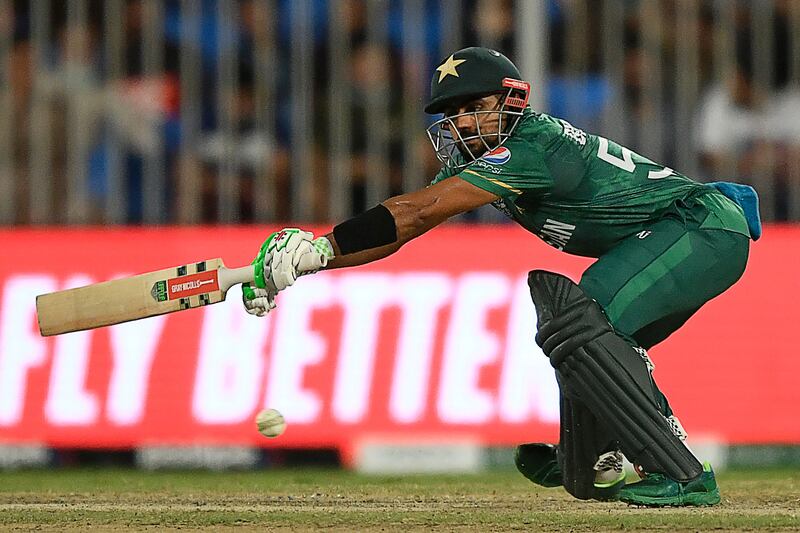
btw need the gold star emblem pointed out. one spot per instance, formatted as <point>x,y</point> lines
<point>449,68</point>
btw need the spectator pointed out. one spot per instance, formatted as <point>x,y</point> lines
<point>751,128</point>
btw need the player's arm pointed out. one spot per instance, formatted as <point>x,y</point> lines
<point>370,236</point>
<point>411,215</point>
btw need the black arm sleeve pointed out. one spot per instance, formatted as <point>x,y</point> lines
<point>371,229</point>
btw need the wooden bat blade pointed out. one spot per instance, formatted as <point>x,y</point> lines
<point>145,295</point>
<point>141,296</point>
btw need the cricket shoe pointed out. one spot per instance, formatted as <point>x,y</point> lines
<point>657,490</point>
<point>609,477</point>
<point>539,463</point>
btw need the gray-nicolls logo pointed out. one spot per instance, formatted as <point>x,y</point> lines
<point>644,234</point>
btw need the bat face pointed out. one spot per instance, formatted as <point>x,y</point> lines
<point>122,300</point>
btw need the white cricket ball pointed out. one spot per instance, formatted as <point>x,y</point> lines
<point>270,423</point>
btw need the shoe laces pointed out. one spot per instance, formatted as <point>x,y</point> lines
<point>609,461</point>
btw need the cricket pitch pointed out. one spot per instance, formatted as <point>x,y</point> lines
<point>337,500</point>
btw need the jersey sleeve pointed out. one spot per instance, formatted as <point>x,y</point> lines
<point>513,169</point>
<point>443,174</point>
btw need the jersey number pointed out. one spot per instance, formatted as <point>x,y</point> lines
<point>626,161</point>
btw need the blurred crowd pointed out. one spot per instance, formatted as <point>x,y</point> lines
<point>740,93</point>
<point>217,107</point>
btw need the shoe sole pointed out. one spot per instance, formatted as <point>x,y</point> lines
<point>608,492</point>
<point>698,499</point>
<point>620,479</point>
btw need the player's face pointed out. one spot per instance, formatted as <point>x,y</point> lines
<point>476,123</point>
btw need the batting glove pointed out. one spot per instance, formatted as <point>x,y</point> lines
<point>288,254</point>
<point>257,302</point>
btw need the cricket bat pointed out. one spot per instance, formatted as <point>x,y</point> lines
<point>145,295</point>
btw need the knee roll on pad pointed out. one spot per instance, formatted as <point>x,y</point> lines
<point>609,377</point>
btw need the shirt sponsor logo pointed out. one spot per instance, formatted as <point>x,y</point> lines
<point>489,168</point>
<point>498,156</point>
<point>556,234</point>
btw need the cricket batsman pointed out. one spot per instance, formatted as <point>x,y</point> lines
<point>665,245</point>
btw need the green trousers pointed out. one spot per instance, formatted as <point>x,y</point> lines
<point>652,282</point>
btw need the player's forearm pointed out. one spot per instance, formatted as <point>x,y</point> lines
<point>409,220</point>
<point>413,218</point>
<point>359,258</point>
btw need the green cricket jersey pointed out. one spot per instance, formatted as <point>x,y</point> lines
<point>582,193</point>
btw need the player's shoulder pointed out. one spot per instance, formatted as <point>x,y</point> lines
<point>444,173</point>
<point>541,132</point>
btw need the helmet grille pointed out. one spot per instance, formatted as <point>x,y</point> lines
<point>452,147</point>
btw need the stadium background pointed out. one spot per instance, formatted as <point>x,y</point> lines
<point>135,135</point>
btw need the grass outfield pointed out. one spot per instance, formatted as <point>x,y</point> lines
<point>336,500</point>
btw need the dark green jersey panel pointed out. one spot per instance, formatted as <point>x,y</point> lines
<point>579,192</point>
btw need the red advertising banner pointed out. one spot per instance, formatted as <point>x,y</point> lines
<point>433,342</point>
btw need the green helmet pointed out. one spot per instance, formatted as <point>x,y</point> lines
<point>473,71</point>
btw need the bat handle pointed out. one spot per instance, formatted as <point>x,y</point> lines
<point>233,276</point>
<point>245,274</point>
<point>311,263</point>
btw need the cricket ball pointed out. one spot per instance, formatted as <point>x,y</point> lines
<point>270,423</point>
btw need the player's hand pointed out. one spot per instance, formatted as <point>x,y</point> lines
<point>258,302</point>
<point>287,254</point>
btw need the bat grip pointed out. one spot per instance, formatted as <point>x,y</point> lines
<point>308,263</point>
<point>311,263</point>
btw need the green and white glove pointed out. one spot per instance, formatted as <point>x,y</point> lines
<point>257,302</point>
<point>284,256</point>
